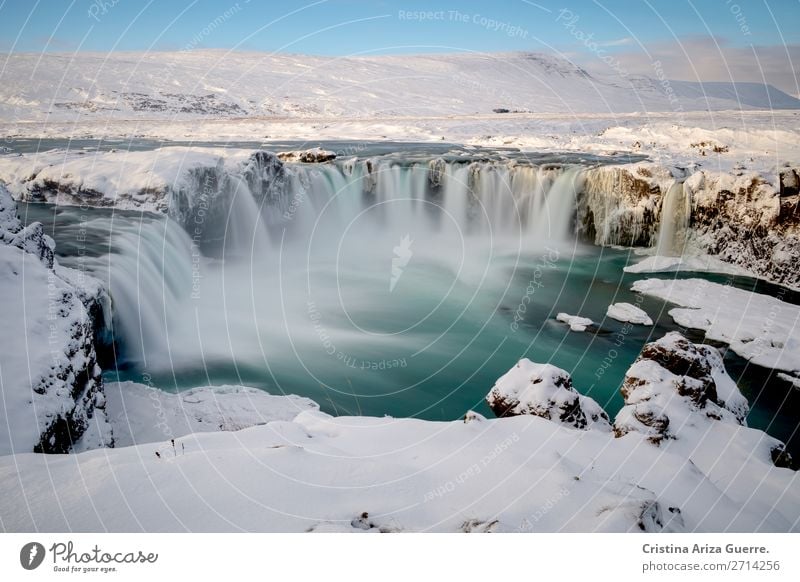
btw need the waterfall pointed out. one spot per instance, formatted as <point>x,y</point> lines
<point>149,274</point>
<point>203,284</point>
<point>478,199</point>
<point>675,214</point>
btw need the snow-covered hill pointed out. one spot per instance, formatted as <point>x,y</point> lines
<point>218,83</point>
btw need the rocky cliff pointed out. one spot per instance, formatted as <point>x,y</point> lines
<point>51,383</point>
<point>742,217</point>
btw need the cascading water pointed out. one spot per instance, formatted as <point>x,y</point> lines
<point>149,275</point>
<point>327,273</point>
<point>395,285</point>
<point>675,213</point>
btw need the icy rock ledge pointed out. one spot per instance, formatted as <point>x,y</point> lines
<point>547,391</point>
<point>51,384</point>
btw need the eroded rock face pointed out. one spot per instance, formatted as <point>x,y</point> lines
<point>740,217</point>
<point>747,221</point>
<point>620,206</point>
<point>547,391</point>
<point>675,384</point>
<point>53,390</point>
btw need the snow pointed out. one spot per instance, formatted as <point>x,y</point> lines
<point>676,387</point>
<point>293,468</point>
<point>47,360</point>
<point>793,380</point>
<point>628,312</point>
<point>125,179</point>
<point>760,328</point>
<point>694,263</point>
<point>320,473</point>
<point>575,322</point>
<point>143,414</point>
<point>217,83</point>
<point>555,106</point>
<point>544,390</point>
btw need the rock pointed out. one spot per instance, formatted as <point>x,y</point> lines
<point>546,391</point>
<point>436,172</point>
<point>310,156</point>
<point>674,385</point>
<point>628,312</point>
<point>53,390</point>
<point>619,205</point>
<point>790,183</point>
<point>739,217</point>
<point>575,322</point>
<point>472,416</point>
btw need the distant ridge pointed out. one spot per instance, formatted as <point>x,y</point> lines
<point>218,83</point>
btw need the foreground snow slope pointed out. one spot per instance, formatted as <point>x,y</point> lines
<point>523,473</point>
<point>679,459</point>
<point>217,83</point>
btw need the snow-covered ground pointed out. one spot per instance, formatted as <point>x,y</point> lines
<point>552,104</point>
<point>50,386</point>
<point>760,328</point>
<point>230,83</point>
<point>524,473</point>
<point>145,414</point>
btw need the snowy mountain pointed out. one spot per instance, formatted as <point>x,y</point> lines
<point>232,84</point>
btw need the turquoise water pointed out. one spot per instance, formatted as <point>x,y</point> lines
<point>334,330</point>
<point>432,347</point>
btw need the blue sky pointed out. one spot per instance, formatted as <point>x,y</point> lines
<point>709,40</point>
<point>339,27</point>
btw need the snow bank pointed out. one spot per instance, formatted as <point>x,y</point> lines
<point>693,263</point>
<point>356,474</point>
<point>575,322</point>
<point>628,312</point>
<point>143,414</point>
<point>120,178</point>
<point>760,328</point>
<point>544,390</point>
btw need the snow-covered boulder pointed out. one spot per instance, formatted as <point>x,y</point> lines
<point>51,384</point>
<point>675,383</point>
<point>629,313</point>
<point>547,391</point>
<point>575,322</point>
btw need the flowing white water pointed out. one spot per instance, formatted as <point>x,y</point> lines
<point>675,213</point>
<point>376,258</point>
